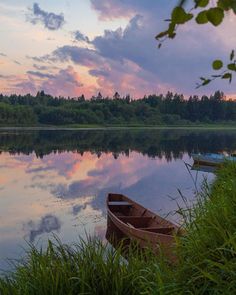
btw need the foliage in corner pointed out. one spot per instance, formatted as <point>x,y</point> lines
<point>203,14</point>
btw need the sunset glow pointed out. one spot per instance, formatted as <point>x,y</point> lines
<point>83,47</point>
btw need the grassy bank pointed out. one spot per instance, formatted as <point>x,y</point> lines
<point>208,253</point>
<point>206,257</point>
<point>215,126</point>
<point>86,268</point>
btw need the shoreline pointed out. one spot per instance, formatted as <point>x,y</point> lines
<point>87,127</point>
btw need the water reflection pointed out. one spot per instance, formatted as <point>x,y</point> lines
<point>57,181</point>
<point>47,224</point>
<point>171,144</point>
<point>77,208</point>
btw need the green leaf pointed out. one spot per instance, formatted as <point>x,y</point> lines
<point>232,67</point>
<point>179,15</point>
<point>201,3</point>
<point>172,35</point>
<point>217,64</point>
<point>161,35</point>
<point>225,4</point>
<point>207,81</point>
<point>227,76</point>
<point>202,18</point>
<point>233,6</point>
<point>171,30</point>
<point>215,15</point>
<point>232,55</point>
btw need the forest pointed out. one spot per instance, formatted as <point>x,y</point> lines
<point>169,109</point>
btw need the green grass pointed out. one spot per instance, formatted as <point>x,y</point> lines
<point>206,257</point>
<point>86,268</point>
<point>208,252</point>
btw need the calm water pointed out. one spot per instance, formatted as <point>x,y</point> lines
<point>57,181</point>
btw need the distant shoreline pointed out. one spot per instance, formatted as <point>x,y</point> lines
<point>124,127</point>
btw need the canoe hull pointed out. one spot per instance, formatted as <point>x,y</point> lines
<point>143,237</point>
<point>159,237</point>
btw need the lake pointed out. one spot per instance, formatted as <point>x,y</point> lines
<point>56,181</point>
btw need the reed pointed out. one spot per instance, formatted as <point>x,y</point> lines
<point>89,267</point>
<point>206,257</point>
<point>207,254</point>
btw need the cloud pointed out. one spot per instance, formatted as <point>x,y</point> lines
<point>5,76</point>
<point>79,55</point>
<point>98,73</point>
<point>3,54</point>
<point>47,224</point>
<point>180,62</point>
<point>76,209</point>
<point>127,59</point>
<point>40,169</point>
<point>45,68</point>
<point>41,75</point>
<point>136,46</point>
<point>114,71</point>
<point>77,189</point>
<point>80,37</point>
<point>109,9</point>
<point>25,86</point>
<point>66,82</point>
<point>41,59</point>
<point>50,20</point>
<point>119,44</point>
<point>17,62</point>
<point>41,68</point>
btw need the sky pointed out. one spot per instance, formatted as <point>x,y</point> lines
<point>75,47</point>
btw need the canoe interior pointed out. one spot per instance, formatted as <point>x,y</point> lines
<point>136,216</point>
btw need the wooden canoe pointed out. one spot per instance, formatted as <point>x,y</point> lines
<point>140,224</point>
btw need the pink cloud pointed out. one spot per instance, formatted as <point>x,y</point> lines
<point>129,78</point>
<point>127,60</point>
<point>65,82</point>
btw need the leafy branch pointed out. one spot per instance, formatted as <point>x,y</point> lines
<point>226,72</point>
<point>213,15</point>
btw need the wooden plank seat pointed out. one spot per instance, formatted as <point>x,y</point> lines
<point>119,203</point>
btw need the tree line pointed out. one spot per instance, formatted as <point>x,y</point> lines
<point>169,109</point>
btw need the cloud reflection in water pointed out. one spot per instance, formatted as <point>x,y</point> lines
<point>47,224</point>
<point>64,190</point>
